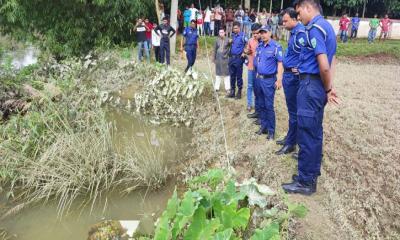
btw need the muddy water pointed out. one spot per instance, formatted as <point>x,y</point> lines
<point>43,223</point>
<point>21,58</point>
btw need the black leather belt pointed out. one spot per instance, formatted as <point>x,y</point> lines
<point>305,76</point>
<point>291,70</point>
<point>267,76</point>
<point>235,55</point>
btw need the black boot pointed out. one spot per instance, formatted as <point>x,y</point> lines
<point>252,115</point>
<point>286,149</point>
<point>271,136</point>
<point>295,156</point>
<point>239,94</point>
<point>257,122</point>
<point>261,131</point>
<point>295,178</point>
<point>301,188</point>
<point>231,94</point>
<point>281,142</point>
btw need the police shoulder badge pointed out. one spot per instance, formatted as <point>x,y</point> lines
<point>314,42</point>
<point>301,41</point>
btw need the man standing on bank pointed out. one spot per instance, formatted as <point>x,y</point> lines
<point>191,43</point>
<point>165,31</point>
<point>316,89</point>
<point>236,60</point>
<point>268,63</point>
<point>291,63</point>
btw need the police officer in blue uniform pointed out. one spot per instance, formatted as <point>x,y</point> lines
<point>236,60</point>
<point>190,42</point>
<point>269,67</point>
<point>316,69</point>
<point>291,63</point>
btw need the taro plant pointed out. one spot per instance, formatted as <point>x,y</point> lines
<point>216,207</point>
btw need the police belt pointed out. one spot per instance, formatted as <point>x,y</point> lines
<point>235,55</point>
<point>265,76</point>
<point>304,76</point>
<point>291,70</point>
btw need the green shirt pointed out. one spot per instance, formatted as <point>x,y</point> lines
<point>374,23</point>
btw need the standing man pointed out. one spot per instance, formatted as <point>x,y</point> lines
<point>140,29</point>
<point>190,42</point>
<point>149,29</point>
<point>186,17</point>
<point>274,25</point>
<point>250,51</point>
<point>219,12</point>
<point>385,26</point>
<point>155,42</point>
<point>236,60</point>
<point>373,24</point>
<point>291,63</point>
<point>355,23</point>
<point>164,30</point>
<point>268,63</point>
<point>221,60</point>
<point>229,21</point>
<point>207,21</point>
<point>316,89</point>
<point>193,12</point>
<point>344,23</point>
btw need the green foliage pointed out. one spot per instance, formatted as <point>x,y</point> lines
<point>214,207</point>
<point>73,27</point>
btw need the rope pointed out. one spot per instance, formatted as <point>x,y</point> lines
<point>228,163</point>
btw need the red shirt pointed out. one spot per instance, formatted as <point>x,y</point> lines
<point>148,32</point>
<point>252,45</point>
<point>385,22</point>
<point>344,23</point>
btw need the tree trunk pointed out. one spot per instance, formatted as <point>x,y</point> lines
<point>158,10</point>
<point>364,8</point>
<point>281,4</point>
<point>174,23</point>
<point>270,7</point>
<point>258,6</point>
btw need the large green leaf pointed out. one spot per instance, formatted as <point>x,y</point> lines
<point>162,231</point>
<point>172,205</point>
<point>231,218</point>
<point>297,210</point>
<point>197,226</point>
<point>224,235</point>
<point>213,177</point>
<point>270,232</point>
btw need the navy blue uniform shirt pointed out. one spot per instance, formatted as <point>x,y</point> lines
<point>267,57</point>
<point>296,41</point>
<point>321,39</point>
<point>191,36</point>
<point>238,43</point>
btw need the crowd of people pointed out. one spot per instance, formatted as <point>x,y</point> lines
<point>305,69</point>
<point>345,22</point>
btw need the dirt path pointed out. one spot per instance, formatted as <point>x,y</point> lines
<point>359,195</point>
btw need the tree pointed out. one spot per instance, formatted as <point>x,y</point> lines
<point>173,22</point>
<point>73,27</point>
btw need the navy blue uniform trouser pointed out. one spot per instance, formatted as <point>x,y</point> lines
<point>164,52</point>
<point>257,94</point>
<point>191,52</point>
<point>311,101</point>
<point>236,72</point>
<point>267,96</point>
<point>291,87</point>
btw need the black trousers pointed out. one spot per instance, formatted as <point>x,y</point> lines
<point>217,26</point>
<point>157,53</point>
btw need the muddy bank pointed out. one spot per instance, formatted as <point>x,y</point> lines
<point>358,196</point>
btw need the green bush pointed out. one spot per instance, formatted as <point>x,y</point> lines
<point>215,207</point>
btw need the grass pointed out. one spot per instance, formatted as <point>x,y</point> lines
<point>63,149</point>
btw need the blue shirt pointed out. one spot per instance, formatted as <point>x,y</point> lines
<point>186,15</point>
<point>191,37</point>
<point>267,57</point>
<point>355,22</point>
<point>296,41</point>
<point>238,43</point>
<point>321,39</point>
